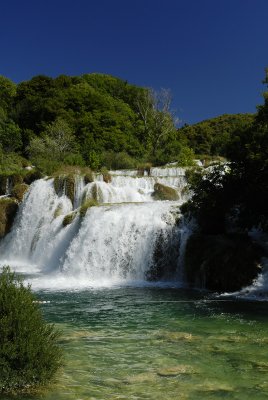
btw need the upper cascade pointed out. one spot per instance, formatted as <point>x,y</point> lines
<point>100,231</point>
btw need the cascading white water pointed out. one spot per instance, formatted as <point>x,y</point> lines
<point>128,237</point>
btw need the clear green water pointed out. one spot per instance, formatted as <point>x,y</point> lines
<point>151,343</point>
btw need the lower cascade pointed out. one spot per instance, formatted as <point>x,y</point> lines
<point>108,233</point>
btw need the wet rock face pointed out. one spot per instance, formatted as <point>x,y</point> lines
<point>223,263</point>
<point>8,209</point>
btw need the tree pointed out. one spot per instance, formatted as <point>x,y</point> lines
<point>56,143</point>
<point>7,93</point>
<point>154,108</point>
<point>10,136</point>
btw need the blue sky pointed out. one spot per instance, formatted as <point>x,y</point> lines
<point>211,54</point>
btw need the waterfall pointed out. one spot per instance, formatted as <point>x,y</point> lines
<point>127,238</point>
<point>8,186</point>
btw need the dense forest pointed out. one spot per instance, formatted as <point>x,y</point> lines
<point>91,120</point>
<point>97,120</point>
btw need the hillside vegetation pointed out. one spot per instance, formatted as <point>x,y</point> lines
<point>94,120</point>
<point>97,120</point>
<point>212,136</point>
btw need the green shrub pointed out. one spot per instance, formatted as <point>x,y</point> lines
<point>121,160</point>
<point>29,353</point>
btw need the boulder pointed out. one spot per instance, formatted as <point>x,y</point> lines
<point>163,192</point>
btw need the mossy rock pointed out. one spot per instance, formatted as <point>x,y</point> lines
<point>142,168</point>
<point>58,211</point>
<point>163,192</point>
<point>86,205</point>
<point>65,185</point>
<point>89,177</point>
<point>8,209</point>
<point>107,178</point>
<point>68,219</point>
<point>19,191</point>
<point>16,179</point>
<point>223,263</point>
<point>95,193</point>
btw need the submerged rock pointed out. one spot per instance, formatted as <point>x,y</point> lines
<point>223,263</point>
<point>217,388</point>
<point>178,336</point>
<point>141,378</point>
<point>181,369</point>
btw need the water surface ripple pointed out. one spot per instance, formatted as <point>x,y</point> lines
<point>153,343</point>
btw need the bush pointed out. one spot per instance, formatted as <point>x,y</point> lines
<point>121,160</point>
<point>29,353</point>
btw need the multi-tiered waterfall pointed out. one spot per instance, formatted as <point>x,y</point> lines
<point>129,236</point>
